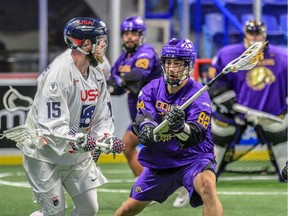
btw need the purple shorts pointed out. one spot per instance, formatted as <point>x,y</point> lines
<point>159,184</point>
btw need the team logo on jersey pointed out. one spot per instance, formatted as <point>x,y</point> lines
<point>142,63</point>
<point>259,77</point>
<point>211,72</point>
<point>86,115</point>
<point>53,86</point>
<point>124,68</point>
<point>55,200</point>
<point>138,189</point>
<point>89,95</point>
<point>76,81</point>
<point>140,105</point>
<point>205,104</point>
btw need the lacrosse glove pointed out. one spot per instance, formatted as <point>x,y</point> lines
<point>176,119</point>
<point>87,143</point>
<point>146,136</point>
<point>115,85</point>
<point>84,143</point>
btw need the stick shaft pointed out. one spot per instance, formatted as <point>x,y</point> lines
<point>249,111</point>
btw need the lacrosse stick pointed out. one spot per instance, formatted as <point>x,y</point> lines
<point>256,113</point>
<point>245,61</point>
<point>21,134</point>
<point>10,98</point>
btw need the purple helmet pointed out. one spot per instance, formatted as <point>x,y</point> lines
<point>134,23</point>
<point>80,28</point>
<point>181,50</point>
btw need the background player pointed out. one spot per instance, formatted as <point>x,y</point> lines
<point>72,99</point>
<point>182,153</point>
<point>263,88</point>
<point>136,66</point>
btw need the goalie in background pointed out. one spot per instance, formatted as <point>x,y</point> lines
<point>136,66</point>
<point>262,88</point>
<point>181,154</point>
<point>71,99</point>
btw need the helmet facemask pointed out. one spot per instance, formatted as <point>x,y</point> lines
<point>175,70</point>
<point>255,31</point>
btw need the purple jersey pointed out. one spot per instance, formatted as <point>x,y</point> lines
<point>154,102</point>
<point>264,87</point>
<point>145,61</point>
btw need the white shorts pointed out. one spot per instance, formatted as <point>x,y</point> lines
<point>48,181</point>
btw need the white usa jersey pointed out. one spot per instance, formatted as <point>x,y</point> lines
<point>64,99</point>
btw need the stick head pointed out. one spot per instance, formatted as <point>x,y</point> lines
<point>248,59</point>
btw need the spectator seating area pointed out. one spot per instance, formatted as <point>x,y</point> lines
<point>215,25</point>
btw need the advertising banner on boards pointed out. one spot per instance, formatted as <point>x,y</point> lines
<point>26,85</point>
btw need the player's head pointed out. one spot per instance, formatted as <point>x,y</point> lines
<point>133,30</point>
<point>255,31</point>
<point>177,60</point>
<point>88,35</point>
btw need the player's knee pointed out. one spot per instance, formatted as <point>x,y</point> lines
<point>223,133</point>
<point>207,187</point>
<point>276,133</point>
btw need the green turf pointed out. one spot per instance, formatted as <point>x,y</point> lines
<point>18,200</point>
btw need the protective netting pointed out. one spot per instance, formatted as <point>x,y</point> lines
<point>250,155</point>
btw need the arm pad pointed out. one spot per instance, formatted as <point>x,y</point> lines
<point>190,135</point>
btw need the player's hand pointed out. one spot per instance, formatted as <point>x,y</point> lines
<point>114,144</point>
<point>176,118</point>
<point>114,84</point>
<point>87,143</point>
<point>84,143</point>
<point>146,136</point>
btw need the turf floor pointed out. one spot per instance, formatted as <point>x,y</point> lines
<point>241,195</point>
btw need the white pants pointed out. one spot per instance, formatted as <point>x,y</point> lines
<point>48,182</point>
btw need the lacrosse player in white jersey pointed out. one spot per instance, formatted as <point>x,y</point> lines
<point>71,100</point>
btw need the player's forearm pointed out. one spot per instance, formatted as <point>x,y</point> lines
<point>190,135</point>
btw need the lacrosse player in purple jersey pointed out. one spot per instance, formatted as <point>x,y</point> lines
<point>262,88</point>
<point>71,100</point>
<point>136,66</point>
<point>181,153</point>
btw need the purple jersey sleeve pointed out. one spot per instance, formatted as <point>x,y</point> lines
<point>154,102</point>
